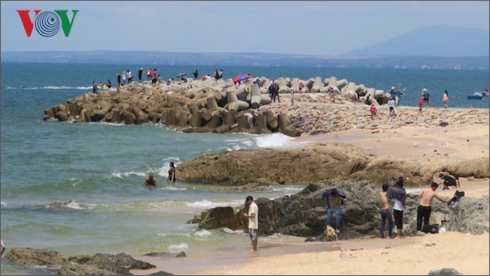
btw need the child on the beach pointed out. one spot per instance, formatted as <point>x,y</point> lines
<point>292,97</point>
<point>373,111</point>
<point>421,102</point>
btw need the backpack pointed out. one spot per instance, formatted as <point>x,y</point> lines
<point>433,229</point>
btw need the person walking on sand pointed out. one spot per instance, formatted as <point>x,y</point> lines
<point>397,193</point>
<point>335,199</point>
<point>171,173</point>
<point>385,213</point>
<point>373,111</point>
<point>424,209</point>
<point>253,221</point>
<point>151,181</point>
<point>426,95</point>
<point>445,98</point>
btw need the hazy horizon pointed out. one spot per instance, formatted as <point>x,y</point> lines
<point>301,28</point>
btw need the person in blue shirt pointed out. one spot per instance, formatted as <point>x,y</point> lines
<point>335,199</point>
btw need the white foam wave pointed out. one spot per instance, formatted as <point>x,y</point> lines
<point>203,233</point>
<point>4,203</point>
<point>52,87</point>
<point>229,231</point>
<point>171,188</point>
<point>178,246</point>
<point>126,174</point>
<point>275,140</point>
<point>286,189</point>
<point>173,234</point>
<point>209,204</point>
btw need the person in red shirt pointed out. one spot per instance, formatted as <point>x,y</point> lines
<point>373,111</point>
<point>154,77</point>
<point>148,74</point>
<point>421,102</point>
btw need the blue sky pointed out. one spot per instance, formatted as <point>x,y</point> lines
<point>314,28</point>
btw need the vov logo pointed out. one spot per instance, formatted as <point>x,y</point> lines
<point>47,23</point>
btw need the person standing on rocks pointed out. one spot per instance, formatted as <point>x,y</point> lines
<point>171,173</point>
<point>220,74</point>
<point>445,98</point>
<point>335,199</point>
<point>148,74</point>
<point>424,209</point>
<point>94,87</point>
<point>397,193</point>
<point>421,102</point>
<point>292,97</point>
<point>276,91</point>
<point>118,76</point>
<point>385,213</point>
<point>109,84</point>
<point>391,105</point>
<point>216,74</point>
<point>195,74</point>
<point>140,74</point>
<point>300,88</point>
<point>130,76</point>
<point>426,95</point>
<point>253,221</point>
<point>331,93</point>
<point>154,77</point>
<point>123,78</point>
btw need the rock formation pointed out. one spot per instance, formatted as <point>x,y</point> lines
<point>303,214</point>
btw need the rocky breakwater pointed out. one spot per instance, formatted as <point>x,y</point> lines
<point>315,163</point>
<point>98,264</point>
<point>313,114</point>
<point>303,214</point>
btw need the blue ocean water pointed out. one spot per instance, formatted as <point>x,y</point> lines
<point>102,166</point>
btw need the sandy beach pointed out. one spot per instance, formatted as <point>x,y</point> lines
<point>468,254</point>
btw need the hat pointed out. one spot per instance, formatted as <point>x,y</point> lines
<point>392,87</point>
<point>424,90</point>
<point>141,68</point>
<point>248,198</point>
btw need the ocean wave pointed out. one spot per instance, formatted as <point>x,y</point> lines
<point>171,188</point>
<point>178,246</point>
<point>275,140</point>
<point>4,203</point>
<point>203,233</point>
<point>174,234</point>
<point>229,231</point>
<point>117,174</point>
<point>209,204</point>
<point>286,189</point>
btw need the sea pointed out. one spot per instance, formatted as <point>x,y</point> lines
<point>101,168</point>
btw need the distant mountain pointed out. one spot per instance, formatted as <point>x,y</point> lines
<point>434,41</point>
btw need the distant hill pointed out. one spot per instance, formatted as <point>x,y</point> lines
<point>434,41</point>
<point>244,59</point>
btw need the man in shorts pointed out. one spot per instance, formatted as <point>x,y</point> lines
<point>154,76</point>
<point>253,221</point>
<point>426,95</point>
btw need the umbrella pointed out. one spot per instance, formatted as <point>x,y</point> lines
<point>241,77</point>
<point>181,74</point>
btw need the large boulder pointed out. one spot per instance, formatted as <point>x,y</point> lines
<point>299,166</point>
<point>32,257</point>
<point>70,268</point>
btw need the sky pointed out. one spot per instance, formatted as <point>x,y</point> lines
<point>327,28</point>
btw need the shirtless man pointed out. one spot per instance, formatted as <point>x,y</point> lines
<point>385,213</point>
<point>150,181</point>
<point>424,209</point>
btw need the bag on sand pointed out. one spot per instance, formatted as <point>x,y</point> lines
<point>433,229</point>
